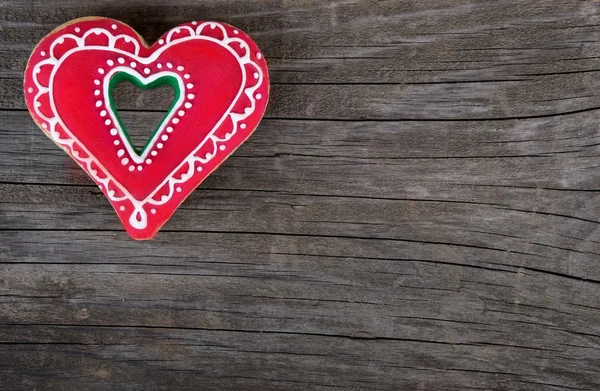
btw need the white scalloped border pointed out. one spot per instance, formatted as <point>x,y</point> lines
<point>139,218</point>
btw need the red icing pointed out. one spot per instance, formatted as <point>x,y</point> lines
<point>215,85</point>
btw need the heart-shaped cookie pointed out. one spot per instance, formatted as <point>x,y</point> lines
<point>221,88</point>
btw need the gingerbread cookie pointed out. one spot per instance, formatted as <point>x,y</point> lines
<point>221,88</point>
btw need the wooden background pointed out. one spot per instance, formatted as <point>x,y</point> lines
<point>419,210</point>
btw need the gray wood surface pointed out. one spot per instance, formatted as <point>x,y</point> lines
<point>420,210</point>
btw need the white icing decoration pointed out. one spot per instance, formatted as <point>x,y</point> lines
<point>138,218</point>
<point>145,80</point>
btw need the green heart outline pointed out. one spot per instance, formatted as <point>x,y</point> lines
<point>161,81</point>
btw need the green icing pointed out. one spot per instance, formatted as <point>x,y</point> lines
<point>161,81</point>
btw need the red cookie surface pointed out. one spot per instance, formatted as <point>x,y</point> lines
<point>221,88</point>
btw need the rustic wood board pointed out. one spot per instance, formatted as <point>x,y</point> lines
<point>420,210</point>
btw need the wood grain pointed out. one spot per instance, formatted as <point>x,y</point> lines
<point>419,210</point>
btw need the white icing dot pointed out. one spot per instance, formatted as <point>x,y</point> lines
<point>190,85</point>
<point>97,92</point>
<point>236,32</point>
<point>140,168</point>
<point>148,161</point>
<point>114,26</point>
<point>258,96</point>
<point>161,41</point>
<point>97,32</point>
<point>131,168</point>
<point>45,125</point>
<point>133,64</point>
<point>38,104</point>
<point>188,105</point>
<point>180,68</point>
<point>178,189</point>
<point>124,161</point>
<point>97,82</point>
<point>159,145</point>
<point>194,23</point>
<point>256,75</point>
<point>147,71</point>
<point>101,71</point>
<point>184,177</point>
<point>164,137</point>
<point>43,53</point>
<point>110,62</point>
<point>120,153</point>
<point>107,122</point>
<point>169,65</point>
<point>113,132</point>
<point>159,66</point>
<point>208,156</point>
<point>153,211</point>
<point>259,55</point>
<point>191,96</point>
<point>77,29</point>
<point>121,60</point>
<point>181,113</point>
<point>186,76</point>
<point>243,126</point>
<point>122,208</point>
<point>103,113</point>
<point>30,90</point>
<point>116,142</point>
<point>199,169</point>
<point>247,110</point>
<point>175,120</point>
<point>222,147</point>
<point>170,129</point>
<point>153,153</point>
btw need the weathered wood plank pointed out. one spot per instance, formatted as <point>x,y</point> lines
<point>418,211</point>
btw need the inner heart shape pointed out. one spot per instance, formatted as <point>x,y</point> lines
<point>221,88</point>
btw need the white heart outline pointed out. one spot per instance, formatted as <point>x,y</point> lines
<point>139,159</point>
<point>139,218</point>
